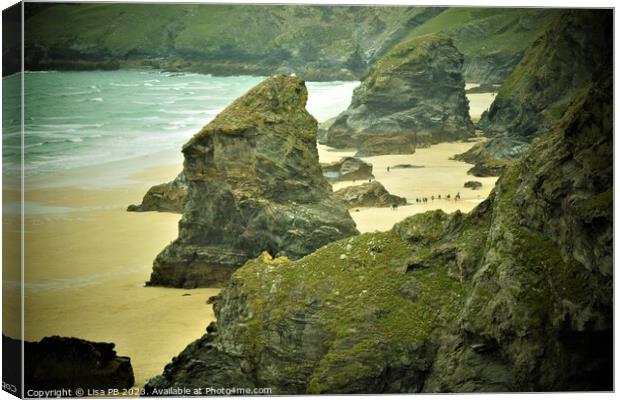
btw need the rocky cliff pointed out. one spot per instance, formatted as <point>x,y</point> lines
<point>413,96</point>
<point>515,296</point>
<point>169,197</point>
<point>316,42</point>
<point>575,49</point>
<point>254,184</point>
<point>56,363</point>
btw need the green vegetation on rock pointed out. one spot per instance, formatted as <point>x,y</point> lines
<point>517,295</point>
<point>316,42</point>
<point>574,49</point>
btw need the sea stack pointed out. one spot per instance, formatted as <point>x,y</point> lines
<point>254,185</point>
<point>412,97</point>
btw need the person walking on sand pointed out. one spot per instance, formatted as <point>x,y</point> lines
<point>388,169</point>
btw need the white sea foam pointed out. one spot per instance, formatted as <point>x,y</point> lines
<point>123,84</point>
<point>129,114</point>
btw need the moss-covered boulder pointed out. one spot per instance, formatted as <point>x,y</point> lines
<point>370,194</point>
<point>348,318</point>
<point>517,295</point>
<point>254,184</point>
<point>575,48</point>
<point>412,96</point>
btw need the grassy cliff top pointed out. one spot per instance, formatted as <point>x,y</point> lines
<point>478,31</point>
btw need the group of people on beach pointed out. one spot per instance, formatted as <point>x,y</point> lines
<point>424,200</point>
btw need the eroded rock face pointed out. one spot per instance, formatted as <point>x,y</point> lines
<point>413,96</point>
<point>538,316</point>
<point>254,184</point>
<point>517,295</point>
<point>371,194</point>
<point>168,197</point>
<point>347,169</point>
<point>575,49</point>
<point>70,363</point>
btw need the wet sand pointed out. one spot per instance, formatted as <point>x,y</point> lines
<point>85,270</point>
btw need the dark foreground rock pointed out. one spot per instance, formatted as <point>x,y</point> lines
<point>371,194</point>
<point>575,49</point>
<point>169,197</point>
<point>347,169</point>
<point>70,363</point>
<point>254,184</point>
<point>400,105</point>
<point>515,296</point>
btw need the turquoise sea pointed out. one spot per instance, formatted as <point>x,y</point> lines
<point>75,119</point>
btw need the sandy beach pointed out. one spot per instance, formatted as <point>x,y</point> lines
<point>434,174</point>
<point>478,102</point>
<point>86,262</point>
<point>87,258</point>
